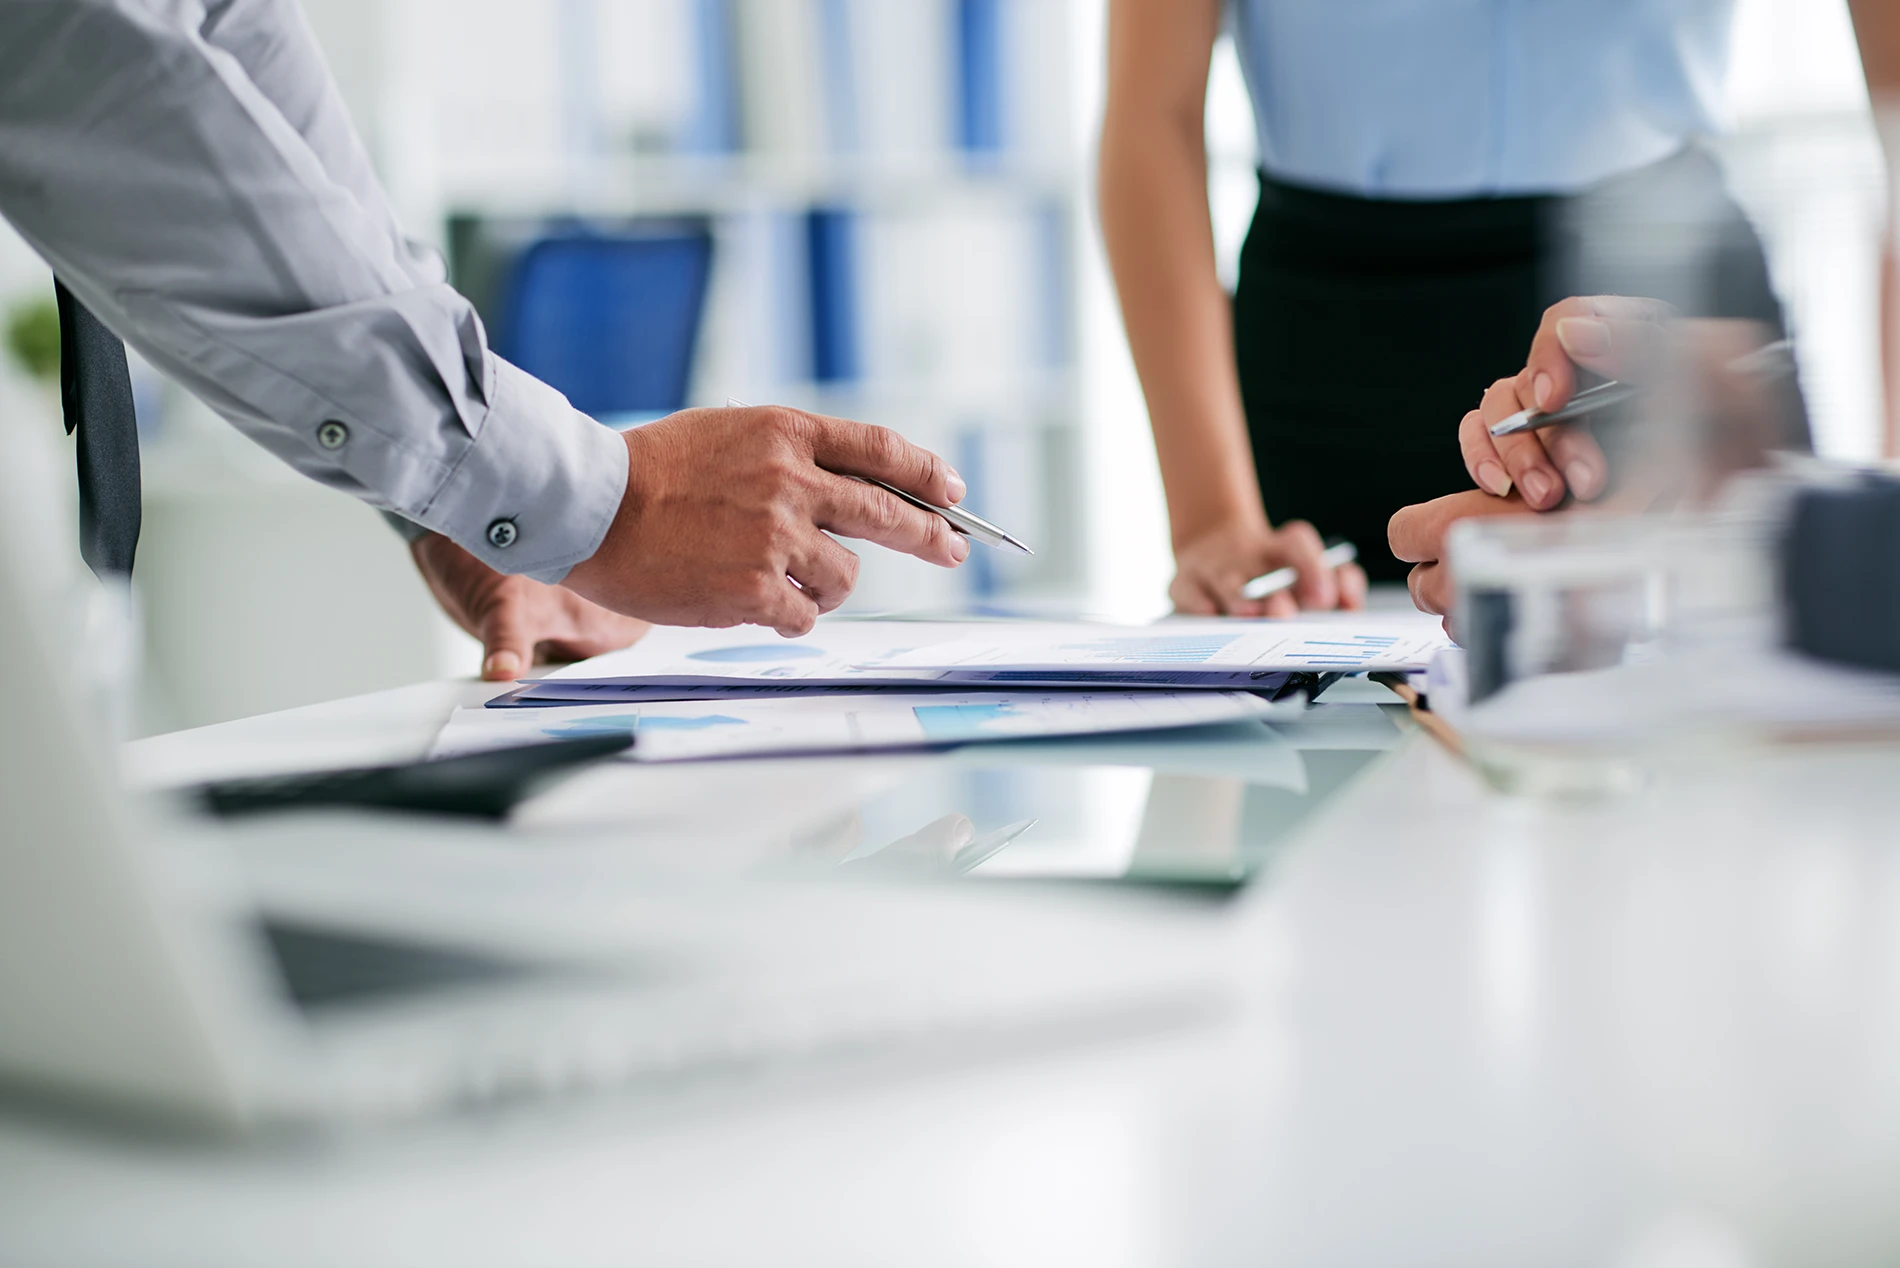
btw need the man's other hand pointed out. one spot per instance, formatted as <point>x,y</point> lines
<point>518,621</point>
<point>728,515</point>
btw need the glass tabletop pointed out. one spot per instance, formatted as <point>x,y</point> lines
<point>1208,806</point>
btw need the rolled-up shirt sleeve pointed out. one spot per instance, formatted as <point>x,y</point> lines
<point>178,203</point>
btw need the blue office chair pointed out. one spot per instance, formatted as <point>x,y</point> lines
<point>610,318</point>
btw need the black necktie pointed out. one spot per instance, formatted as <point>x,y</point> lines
<point>95,391</point>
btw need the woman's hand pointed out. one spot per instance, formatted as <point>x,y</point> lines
<point>1211,569</point>
<point>1160,244</point>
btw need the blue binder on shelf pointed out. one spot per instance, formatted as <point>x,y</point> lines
<point>831,246</point>
<point>611,318</point>
<point>979,77</point>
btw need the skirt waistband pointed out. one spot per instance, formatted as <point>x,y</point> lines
<point>1301,226</point>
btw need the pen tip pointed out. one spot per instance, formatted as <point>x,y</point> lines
<point>1505,426</point>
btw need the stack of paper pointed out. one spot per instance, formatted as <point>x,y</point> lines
<point>1258,656</point>
<point>878,685</point>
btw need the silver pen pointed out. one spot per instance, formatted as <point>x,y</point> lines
<point>969,523</point>
<point>1770,361</point>
<point>1337,554</point>
<point>1586,402</point>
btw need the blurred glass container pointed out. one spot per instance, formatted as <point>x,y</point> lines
<point>1555,594</point>
<point>1596,642</point>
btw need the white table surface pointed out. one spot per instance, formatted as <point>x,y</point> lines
<point>1657,1030</point>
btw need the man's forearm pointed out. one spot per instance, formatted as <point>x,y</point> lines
<point>273,42</point>
<point>264,286</point>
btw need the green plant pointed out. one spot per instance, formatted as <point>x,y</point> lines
<point>33,337</point>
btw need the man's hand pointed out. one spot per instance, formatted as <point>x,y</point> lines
<point>519,621</point>
<point>1417,535</point>
<point>727,512</point>
<point>1609,335</point>
<point>1712,412</point>
<point>1606,334</point>
<point>1211,569</point>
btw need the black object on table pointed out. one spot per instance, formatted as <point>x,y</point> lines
<point>1840,573</point>
<point>477,785</point>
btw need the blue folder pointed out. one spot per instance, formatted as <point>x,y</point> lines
<point>610,318</point>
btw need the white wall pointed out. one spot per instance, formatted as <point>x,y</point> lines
<point>1804,159</point>
<point>1126,513</point>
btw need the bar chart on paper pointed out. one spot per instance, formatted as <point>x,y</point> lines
<point>1352,652</point>
<point>1179,653</point>
<point>1331,649</point>
<point>1148,650</point>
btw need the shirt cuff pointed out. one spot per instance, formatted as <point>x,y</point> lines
<point>537,490</point>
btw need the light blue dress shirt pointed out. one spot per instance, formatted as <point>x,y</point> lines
<point>1466,98</point>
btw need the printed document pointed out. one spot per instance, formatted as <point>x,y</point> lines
<point>1177,654</point>
<point>830,723</point>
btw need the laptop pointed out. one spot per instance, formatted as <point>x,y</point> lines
<point>143,969</point>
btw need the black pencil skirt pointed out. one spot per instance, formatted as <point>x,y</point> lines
<point>1364,329</point>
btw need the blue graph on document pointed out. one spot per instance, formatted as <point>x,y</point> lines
<point>950,723</point>
<point>1340,653</point>
<point>1180,649</point>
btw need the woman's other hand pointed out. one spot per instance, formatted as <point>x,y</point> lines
<point>1212,567</point>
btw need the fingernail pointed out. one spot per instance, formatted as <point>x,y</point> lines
<point>1495,479</point>
<point>1540,390</point>
<point>1538,487</point>
<point>501,665</point>
<point>957,487</point>
<point>1582,478</point>
<point>1583,337</point>
<point>960,547</point>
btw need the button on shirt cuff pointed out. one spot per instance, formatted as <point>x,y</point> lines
<point>551,474</point>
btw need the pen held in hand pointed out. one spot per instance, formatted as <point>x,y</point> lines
<point>1770,361</point>
<point>1590,401</point>
<point>968,523</point>
<point>1337,555</point>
